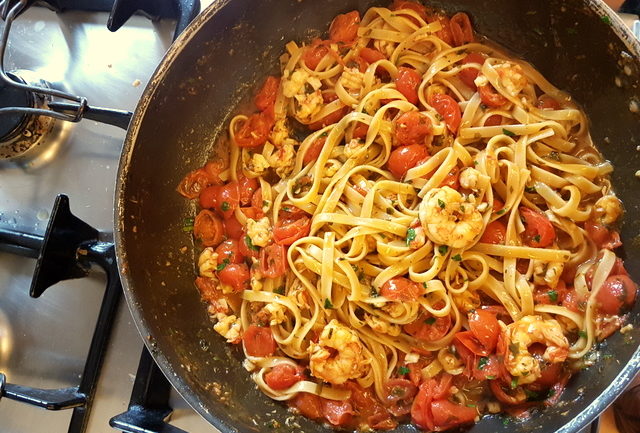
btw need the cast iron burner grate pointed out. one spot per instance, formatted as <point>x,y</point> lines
<point>68,250</point>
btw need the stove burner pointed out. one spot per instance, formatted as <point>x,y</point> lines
<point>13,97</point>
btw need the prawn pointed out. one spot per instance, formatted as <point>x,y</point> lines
<point>518,336</point>
<point>338,355</point>
<point>449,219</point>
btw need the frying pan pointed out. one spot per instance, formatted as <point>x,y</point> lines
<point>222,57</point>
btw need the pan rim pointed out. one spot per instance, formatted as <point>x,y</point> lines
<point>587,415</point>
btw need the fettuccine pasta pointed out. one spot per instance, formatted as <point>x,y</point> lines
<point>413,224</point>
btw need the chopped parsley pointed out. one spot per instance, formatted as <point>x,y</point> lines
<point>225,206</point>
<point>551,393</point>
<point>536,239</point>
<point>265,203</point>
<point>424,284</point>
<point>389,210</point>
<point>403,370</point>
<point>471,405</point>
<point>374,293</point>
<point>605,19</point>
<point>187,228</point>
<point>553,295</point>
<point>222,265</point>
<point>249,242</point>
<point>411,235</point>
<point>457,258</point>
<point>508,133</point>
<point>279,290</point>
<point>441,204</point>
<point>286,209</point>
<point>324,134</point>
<point>188,224</point>
<point>530,189</point>
<point>531,395</point>
<point>506,421</point>
<point>442,249</point>
<point>327,304</point>
<point>490,377</point>
<point>514,383</point>
<point>572,31</point>
<point>501,211</point>
<point>430,320</point>
<point>582,334</point>
<point>482,362</point>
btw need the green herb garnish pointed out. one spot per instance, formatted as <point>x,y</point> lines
<point>530,189</point>
<point>442,249</point>
<point>374,293</point>
<point>279,290</point>
<point>249,242</point>
<point>514,348</point>
<point>441,204</point>
<point>411,235</point>
<point>471,405</point>
<point>514,383</point>
<point>222,265</point>
<point>508,133</point>
<point>490,377</point>
<point>482,362</point>
<point>531,395</point>
<point>501,211</point>
<point>582,334</point>
<point>536,239</point>
<point>430,320</point>
<point>553,295</point>
<point>457,258</point>
<point>225,206</point>
<point>605,19</point>
<point>327,304</point>
<point>403,370</point>
<point>324,134</point>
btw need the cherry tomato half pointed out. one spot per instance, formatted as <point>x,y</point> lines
<point>208,228</point>
<point>448,108</point>
<point>235,275</point>
<point>412,128</point>
<point>258,341</point>
<point>287,231</point>
<point>344,27</point>
<point>283,376</point>
<point>616,295</point>
<point>407,82</point>
<point>229,250</point>
<point>539,232</point>
<point>401,289</point>
<point>254,131</point>
<point>468,75</point>
<point>428,328</point>
<point>405,157</point>
<point>266,97</point>
<point>495,233</point>
<point>273,261</point>
<point>485,328</point>
<point>490,96</point>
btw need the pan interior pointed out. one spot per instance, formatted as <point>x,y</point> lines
<point>221,58</point>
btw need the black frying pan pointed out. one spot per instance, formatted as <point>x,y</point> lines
<point>221,57</point>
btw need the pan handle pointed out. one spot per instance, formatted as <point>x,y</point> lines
<point>119,118</point>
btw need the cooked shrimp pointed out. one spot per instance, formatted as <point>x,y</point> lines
<point>449,219</point>
<point>521,334</point>
<point>608,209</point>
<point>338,356</point>
<point>512,77</point>
<point>547,273</point>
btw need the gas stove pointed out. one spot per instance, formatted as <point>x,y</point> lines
<point>76,336</point>
<point>45,342</point>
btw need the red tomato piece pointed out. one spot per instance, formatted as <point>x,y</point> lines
<point>338,413</point>
<point>484,326</point>
<point>247,186</point>
<point>428,328</point>
<point>369,408</point>
<point>287,231</point>
<point>616,294</point>
<point>488,368</point>
<point>430,390</point>
<point>468,75</point>
<point>405,157</point>
<point>494,120</point>
<point>283,376</point>
<point>371,55</point>
<point>461,29</point>
<point>548,296</point>
<point>447,415</point>
<point>208,288</point>
<point>400,393</point>
<point>258,341</point>
<point>209,197</point>
<point>412,128</point>
<point>228,199</point>
<point>247,248</point>
<point>329,119</point>
<point>232,228</point>
<point>229,250</point>
<point>498,389</point>
<point>360,130</point>
<point>401,289</point>
<point>452,179</point>
<point>469,340</point>
<point>208,228</point>
<point>495,233</point>
<point>407,82</point>
<point>490,96</point>
<point>448,108</point>
<point>273,261</point>
<point>445,32</point>
<point>235,275</point>
<point>602,236</point>
<point>406,4</point>
<point>266,97</point>
<point>344,27</point>
<point>193,183</point>
<point>539,232</point>
<point>313,152</point>
<point>254,131</point>
<point>546,102</point>
<point>314,54</point>
<point>550,372</point>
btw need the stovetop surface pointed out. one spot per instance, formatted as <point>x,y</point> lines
<point>44,342</point>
